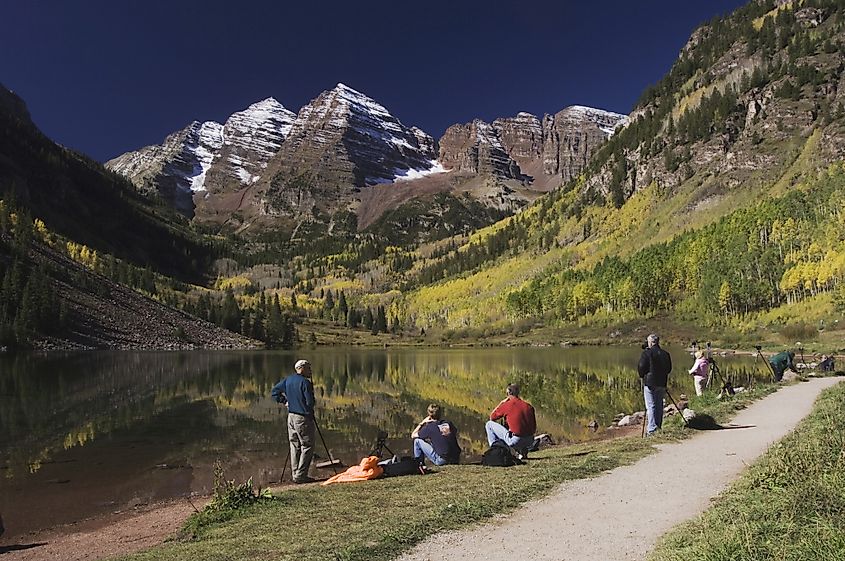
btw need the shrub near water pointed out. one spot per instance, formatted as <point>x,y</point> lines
<point>229,499</point>
<point>790,505</point>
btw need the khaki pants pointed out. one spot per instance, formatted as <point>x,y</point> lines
<point>301,430</point>
<point>700,384</point>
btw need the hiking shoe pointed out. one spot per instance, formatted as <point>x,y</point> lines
<point>305,479</point>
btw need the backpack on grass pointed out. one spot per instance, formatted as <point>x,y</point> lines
<point>499,455</point>
<point>406,465</point>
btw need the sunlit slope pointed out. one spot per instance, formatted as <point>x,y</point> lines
<point>749,112</point>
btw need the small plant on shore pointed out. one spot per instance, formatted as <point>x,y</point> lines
<point>180,333</point>
<point>228,500</point>
<point>230,495</point>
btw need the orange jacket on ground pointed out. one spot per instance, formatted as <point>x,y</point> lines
<point>367,469</point>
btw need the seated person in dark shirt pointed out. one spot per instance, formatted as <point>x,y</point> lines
<point>827,363</point>
<point>436,439</point>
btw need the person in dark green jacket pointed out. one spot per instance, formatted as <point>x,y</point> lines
<point>781,362</point>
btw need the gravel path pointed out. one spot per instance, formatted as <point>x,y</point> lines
<point>620,515</point>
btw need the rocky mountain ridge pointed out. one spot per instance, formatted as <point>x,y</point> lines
<point>209,156</point>
<point>542,152</point>
<point>316,164</point>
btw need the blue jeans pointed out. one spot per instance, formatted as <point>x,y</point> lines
<point>654,407</point>
<point>495,432</point>
<point>421,447</point>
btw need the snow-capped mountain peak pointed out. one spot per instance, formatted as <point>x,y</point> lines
<point>205,153</point>
<point>378,146</point>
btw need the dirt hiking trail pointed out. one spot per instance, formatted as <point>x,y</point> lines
<point>621,515</point>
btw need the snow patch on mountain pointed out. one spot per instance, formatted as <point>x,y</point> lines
<point>410,174</point>
<point>239,149</point>
<point>203,146</point>
<point>486,134</point>
<point>607,121</point>
<point>258,131</point>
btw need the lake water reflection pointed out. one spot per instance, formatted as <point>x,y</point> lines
<point>87,433</point>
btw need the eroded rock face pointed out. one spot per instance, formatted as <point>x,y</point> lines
<point>476,148</point>
<point>522,138</point>
<point>343,135</point>
<point>571,136</point>
<point>524,147</point>
<point>208,156</point>
<point>339,143</point>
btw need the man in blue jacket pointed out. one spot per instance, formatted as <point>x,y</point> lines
<point>654,368</point>
<point>297,392</point>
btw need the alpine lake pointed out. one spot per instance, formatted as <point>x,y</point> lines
<point>89,433</point>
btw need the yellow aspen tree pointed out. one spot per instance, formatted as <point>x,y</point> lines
<point>725,298</point>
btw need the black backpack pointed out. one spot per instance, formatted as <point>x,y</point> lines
<point>407,465</point>
<point>499,455</point>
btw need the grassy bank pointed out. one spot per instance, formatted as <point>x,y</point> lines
<point>790,505</point>
<point>771,330</point>
<point>378,519</point>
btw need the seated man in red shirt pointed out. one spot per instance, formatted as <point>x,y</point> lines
<point>519,417</point>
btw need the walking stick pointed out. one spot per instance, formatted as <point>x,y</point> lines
<point>801,348</point>
<point>316,424</point>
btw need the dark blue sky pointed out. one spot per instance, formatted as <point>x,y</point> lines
<point>106,76</point>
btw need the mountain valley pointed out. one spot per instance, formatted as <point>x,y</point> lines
<point>715,204</point>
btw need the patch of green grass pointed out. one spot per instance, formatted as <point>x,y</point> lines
<point>790,505</point>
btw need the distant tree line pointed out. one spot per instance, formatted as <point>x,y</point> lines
<point>267,321</point>
<point>337,308</point>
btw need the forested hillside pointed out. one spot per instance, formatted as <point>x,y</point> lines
<point>718,201</point>
<point>78,198</point>
<point>58,294</point>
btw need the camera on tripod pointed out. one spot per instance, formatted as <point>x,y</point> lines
<point>381,445</point>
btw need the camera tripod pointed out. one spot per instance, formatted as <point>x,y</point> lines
<point>766,362</point>
<point>381,445</point>
<point>715,372</point>
<point>678,409</point>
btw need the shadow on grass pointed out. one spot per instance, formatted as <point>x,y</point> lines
<point>706,422</point>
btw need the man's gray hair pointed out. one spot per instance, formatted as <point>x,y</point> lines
<point>653,339</point>
<point>513,389</point>
<point>300,364</point>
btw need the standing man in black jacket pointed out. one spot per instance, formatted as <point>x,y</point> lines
<point>654,368</point>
